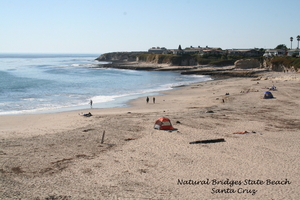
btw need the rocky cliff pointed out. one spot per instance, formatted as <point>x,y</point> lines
<point>247,64</point>
<point>173,60</point>
<point>186,64</point>
<point>123,58</point>
<point>119,56</point>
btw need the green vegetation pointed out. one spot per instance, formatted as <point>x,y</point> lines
<point>281,46</point>
<point>296,63</point>
<point>287,62</point>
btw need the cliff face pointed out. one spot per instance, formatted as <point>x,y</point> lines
<point>174,60</point>
<point>247,64</point>
<point>185,62</point>
<point>280,64</point>
<point>119,56</point>
<point>274,63</point>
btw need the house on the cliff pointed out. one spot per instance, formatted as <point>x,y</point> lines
<point>178,51</point>
<point>293,52</point>
<point>274,52</point>
<point>204,50</point>
<point>158,50</point>
<point>244,52</point>
<point>213,51</point>
<point>193,50</point>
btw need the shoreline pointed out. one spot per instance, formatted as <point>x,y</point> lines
<point>117,102</point>
<point>61,154</point>
<point>215,71</point>
<point>49,118</point>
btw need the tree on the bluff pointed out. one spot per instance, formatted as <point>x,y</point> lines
<point>179,48</point>
<point>281,46</point>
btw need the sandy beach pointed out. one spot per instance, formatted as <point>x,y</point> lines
<point>60,155</point>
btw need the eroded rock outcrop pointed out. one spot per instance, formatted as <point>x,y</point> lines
<point>119,56</point>
<point>173,60</point>
<point>247,64</point>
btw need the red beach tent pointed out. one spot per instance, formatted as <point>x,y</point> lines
<point>163,123</point>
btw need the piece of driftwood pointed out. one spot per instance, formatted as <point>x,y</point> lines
<point>128,139</point>
<point>208,141</point>
<point>103,137</point>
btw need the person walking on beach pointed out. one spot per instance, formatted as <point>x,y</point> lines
<point>91,103</point>
<point>153,99</point>
<point>147,99</point>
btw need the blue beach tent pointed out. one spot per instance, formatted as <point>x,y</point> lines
<point>268,95</point>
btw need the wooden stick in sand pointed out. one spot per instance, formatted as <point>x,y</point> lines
<point>103,137</point>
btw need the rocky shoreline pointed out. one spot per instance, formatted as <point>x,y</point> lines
<point>226,71</point>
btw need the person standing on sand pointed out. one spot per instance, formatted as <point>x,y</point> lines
<point>153,99</point>
<point>91,103</point>
<point>147,99</point>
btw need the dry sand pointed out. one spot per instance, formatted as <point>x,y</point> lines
<point>60,155</point>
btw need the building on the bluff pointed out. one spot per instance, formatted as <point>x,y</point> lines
<point>205,50</point>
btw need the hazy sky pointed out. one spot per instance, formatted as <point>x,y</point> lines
<point>100,26</point>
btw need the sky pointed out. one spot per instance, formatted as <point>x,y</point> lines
<point>101,26</point>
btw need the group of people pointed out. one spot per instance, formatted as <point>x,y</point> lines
<point>153,99</point>
<point>147,100</point>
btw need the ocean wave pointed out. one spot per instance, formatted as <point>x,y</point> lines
<point>103,99</point>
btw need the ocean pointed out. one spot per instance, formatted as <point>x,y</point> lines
<point>45,83</point>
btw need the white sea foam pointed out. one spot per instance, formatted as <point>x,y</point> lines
<point>102,99</point>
